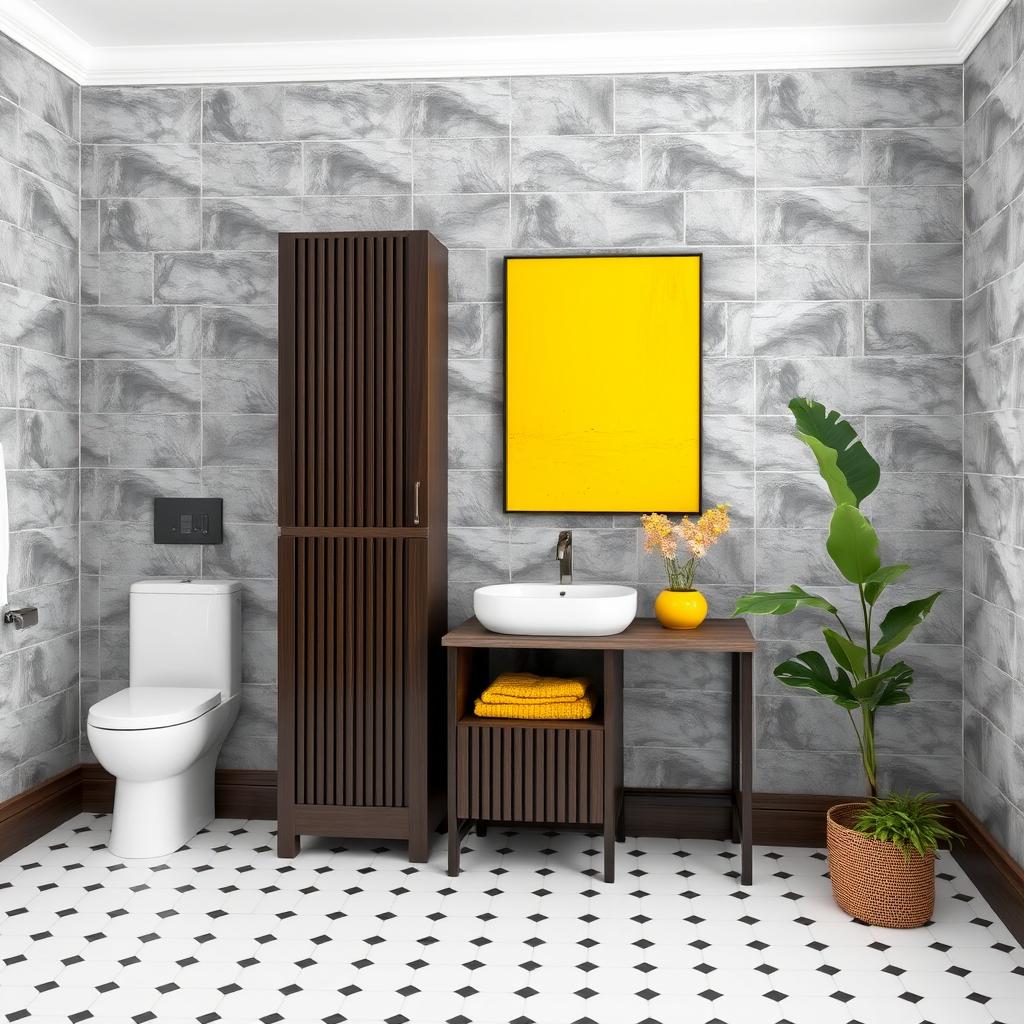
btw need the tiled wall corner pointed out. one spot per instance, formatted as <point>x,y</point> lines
<point>994,430</point>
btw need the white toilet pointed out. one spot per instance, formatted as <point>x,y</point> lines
<point>160,737</point>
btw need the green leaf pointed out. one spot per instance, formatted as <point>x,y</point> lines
<point>885,689</point>
<point>780,602</point>
<point>845,464</point>
<point>880,580</point>
<point>848,654</point>
<point>902,620</point>
<point>811,671</point>
<point>853,544</point>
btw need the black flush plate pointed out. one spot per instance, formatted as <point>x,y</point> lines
<point>188,520</point>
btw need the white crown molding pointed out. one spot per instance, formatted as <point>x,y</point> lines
<point>946,42</point>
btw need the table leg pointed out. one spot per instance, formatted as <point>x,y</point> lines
<point>735,745</point>
<point>612,758</point>
<point>458,666</point>
<point>745,697</point>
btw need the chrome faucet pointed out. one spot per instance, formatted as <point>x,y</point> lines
<point>564,555</point>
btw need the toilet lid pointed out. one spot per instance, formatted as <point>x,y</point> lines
<point>152,707</point>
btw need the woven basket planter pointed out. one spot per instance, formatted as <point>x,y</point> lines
<point>874,882</point>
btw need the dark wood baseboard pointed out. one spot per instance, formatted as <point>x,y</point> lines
<point>239,792</point>
<point>783,819</point>
<point>29,815</point>
<point>999,878</point>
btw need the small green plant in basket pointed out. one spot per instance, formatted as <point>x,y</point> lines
<point>914,823</point>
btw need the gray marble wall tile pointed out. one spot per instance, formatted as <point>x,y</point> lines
<point>252,169</point>
<point>573,163</point>
<point>40,557</point>
<point>248,439</point>
<point>596,219</point>
<point>925,214</point>
<point>562,106</point>
<point>728,386</point>
<point>140,440</point>
<point>251,224</point>
<point>860,98</point>
<point>46,440</point>
<point>812,272</point>
<point>371,168</point>
<point>796,328</point>
<point>475,387</point>
<point>334,110</point>
<point>473,221</point>
<point>720,217</point>
<point>356,213</point>
<point>917,443</point>
<point>38,87</point>
<point>684,102</point>
<point>917,271</point>
<point>468,108</point>
<point>995,120</point>
<point>250,495</point>
<point>818,215</point>
<point>124,278</point>
<point>989,61</point>
<point>146,386</point>
<point>926,156</point>
<point>243,332</point>
<point>47,382</point>
<point>146,225</point>
<point>989,379</point>
<point>154,171</point>
<point>989,506</point>
<point>478,555</point>
<point>48,210</point>
<point>999,181</point>
<point>38,322</point>
<point>217,278</point>
<point>126,495</point>
<point>677,162</point>
<point>475,442</point>
<point>248,552</point>
<point>133,332</point>
<point>809,158</point>
<point>873,386</point>
<point>461,165</point>
<point>244,113</point>
<point>134,114</point>
<point>47,152</point>
<point>476,497</point>
<point>465,330</point>
<point>240,386</point>
<point>42,497</point>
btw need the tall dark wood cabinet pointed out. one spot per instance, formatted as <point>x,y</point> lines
<point>363,536</point>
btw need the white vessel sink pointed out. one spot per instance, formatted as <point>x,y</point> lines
<point>551,609</point>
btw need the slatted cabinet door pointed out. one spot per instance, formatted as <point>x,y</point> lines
<point>352,381</point>
<point>362,551</point>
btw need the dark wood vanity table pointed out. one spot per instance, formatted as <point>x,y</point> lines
<point>569,772</point>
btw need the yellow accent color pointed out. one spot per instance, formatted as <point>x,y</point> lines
<point>580,708</point>
<point>681,609</point>
<point>527,686</point>
<point>603,384</point>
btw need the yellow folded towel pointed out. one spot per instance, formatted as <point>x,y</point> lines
<point>529,686</point>
<point>490,697</point>
<point>580,708</point>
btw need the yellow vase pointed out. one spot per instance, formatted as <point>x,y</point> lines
<point>681,609</point>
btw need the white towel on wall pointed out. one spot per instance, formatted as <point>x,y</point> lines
<point>5,531</point>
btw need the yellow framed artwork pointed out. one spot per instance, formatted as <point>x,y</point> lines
<point>603,383</point>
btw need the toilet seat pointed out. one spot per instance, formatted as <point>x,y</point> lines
<point>152,707</point>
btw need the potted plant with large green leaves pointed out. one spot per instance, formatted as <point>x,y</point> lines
<point>863,675</point>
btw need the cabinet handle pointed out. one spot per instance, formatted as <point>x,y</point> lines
<point>416,504</point>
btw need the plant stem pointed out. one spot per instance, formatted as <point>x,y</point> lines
<point>867,625</point>
<point>868,751</point>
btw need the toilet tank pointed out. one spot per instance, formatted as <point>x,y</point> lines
<point>186,633</point>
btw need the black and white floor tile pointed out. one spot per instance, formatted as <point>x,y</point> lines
<point>529,934</point>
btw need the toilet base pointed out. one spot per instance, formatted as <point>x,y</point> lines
<point>153,819</point>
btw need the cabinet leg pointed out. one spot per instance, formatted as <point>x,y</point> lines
<point>609,852</point>
<point>287,844</point>
<point>454,844</point>
<point>419,848</point>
